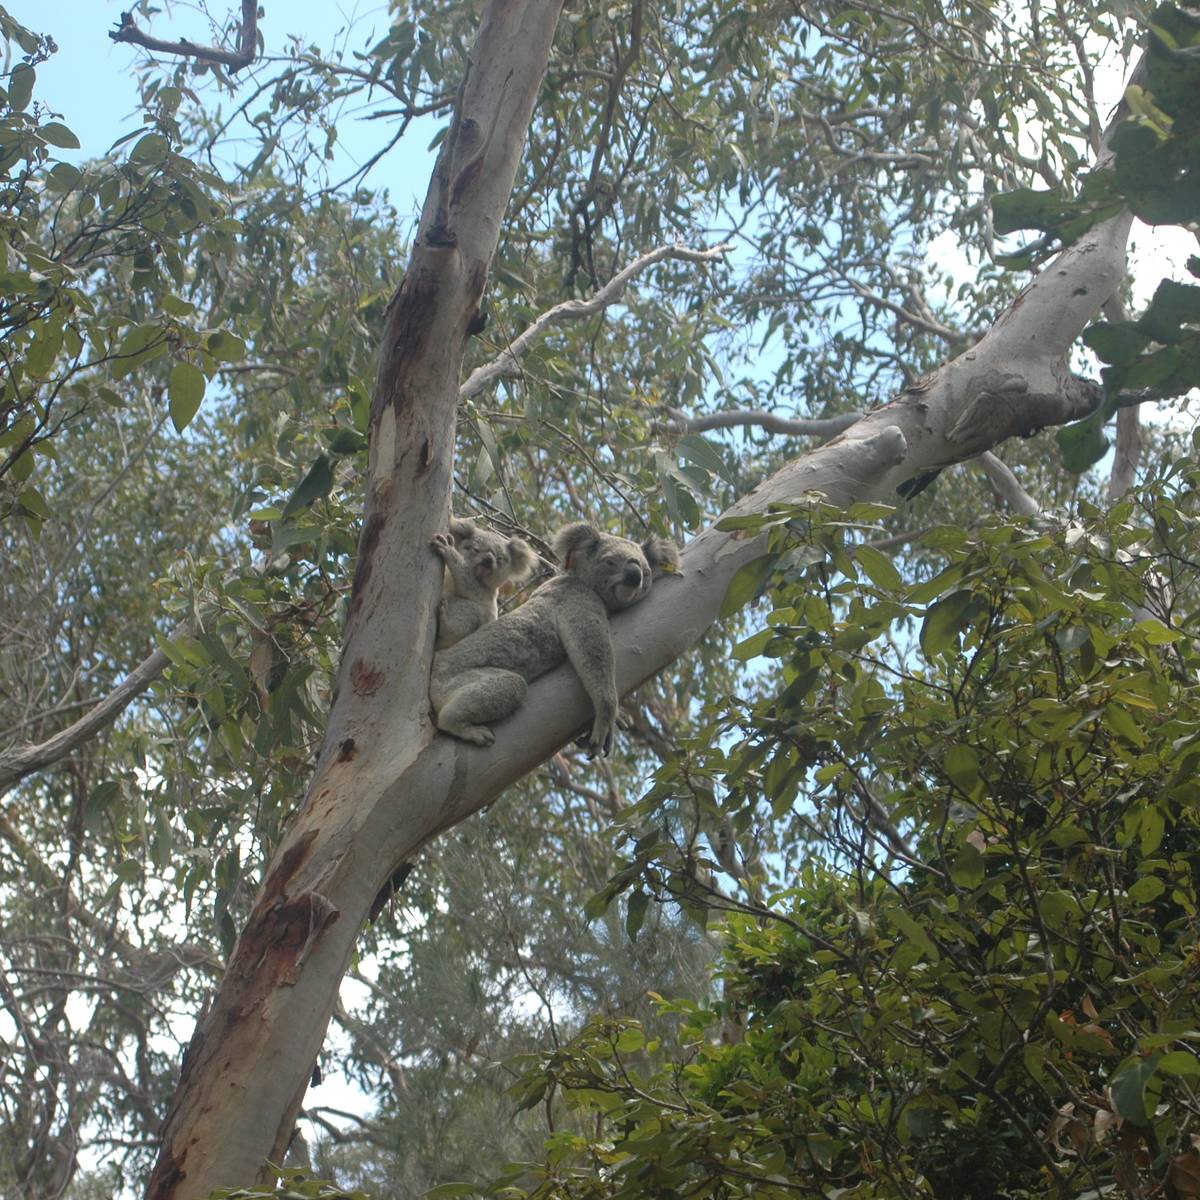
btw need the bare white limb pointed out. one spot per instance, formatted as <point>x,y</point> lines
<point>680,422</point>
<point>1001,477</point>
<point>16,764</point>
<point>507,365</point>
<point>1128,450</point>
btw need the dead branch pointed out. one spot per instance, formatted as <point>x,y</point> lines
<point>128,30</point>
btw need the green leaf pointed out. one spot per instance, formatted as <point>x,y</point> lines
<point>1129,1089</point>
<point>704,454</point>
<point>314,486</point>
<point>1156,633</point>
<point>151,148</point>
<point>944,621</point>
<point>1148,888</point>
<point>20,86</point>
<point>33,504</point>
<point>630,1040</point>
<point>59,135</point>
<point>747,583</point>
<point>63,178</point>
<point>879,568</point>
<point>225,346</point>
<point>635,914</point>
<point>140,345</point>
<point>176,306</point>
<point>1179,1062</point>
<point>344,441</point>
<point>916,935</point>
<point>47,342</point>
<point>1082,443</point>
<point>1114,343</point>
<point>185,391</point>
<point>961,765</point>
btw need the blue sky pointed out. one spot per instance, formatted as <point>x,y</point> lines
<point>91,80</point>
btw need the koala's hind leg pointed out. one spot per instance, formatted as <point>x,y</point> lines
<point>467,704</point>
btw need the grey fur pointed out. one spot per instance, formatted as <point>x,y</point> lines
<point>484,677</point>
<point>478,563</point>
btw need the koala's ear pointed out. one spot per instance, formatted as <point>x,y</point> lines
<point>522,558</point>
<point>662,555</point>
<point>460,529</point>
<point>570,540</point>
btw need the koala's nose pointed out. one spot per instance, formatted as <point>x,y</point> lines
<point>633,575</point>
<point>487,561</point>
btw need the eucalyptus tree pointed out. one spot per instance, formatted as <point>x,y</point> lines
<point>830,148</point>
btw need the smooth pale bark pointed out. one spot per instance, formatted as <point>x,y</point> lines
<point>249,1061</point>
<point>386,782</point>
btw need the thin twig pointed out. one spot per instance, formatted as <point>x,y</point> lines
<point>507,364</point>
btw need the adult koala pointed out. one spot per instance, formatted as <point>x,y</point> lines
<point>485,676</point>
<point>478,564</point>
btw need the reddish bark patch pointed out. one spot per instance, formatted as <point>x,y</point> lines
<point>366,556</point>
<point>288,865</point>
<point>365,677</point>
<point>166,1177</point>
<point>274,946</point>
<point>408,338</point>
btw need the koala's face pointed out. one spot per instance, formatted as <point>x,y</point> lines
<point>491,558</point>
<point>619,571</point>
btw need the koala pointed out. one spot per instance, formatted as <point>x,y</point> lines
<point>478,563</point>
<point>485,676</point>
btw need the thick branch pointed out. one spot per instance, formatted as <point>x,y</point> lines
<point>129,31</point>
<point>507,364</point>
<point>16,764</point>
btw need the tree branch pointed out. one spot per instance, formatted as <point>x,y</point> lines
<point>129,31</point>
<point>16,764</point>
<point>1001,477</point>
<point>1128,450</point>
<point>507,364</point>
<point>680,422</point>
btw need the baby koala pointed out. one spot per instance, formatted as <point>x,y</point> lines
<point>485,676</point>
<point>478,563</point>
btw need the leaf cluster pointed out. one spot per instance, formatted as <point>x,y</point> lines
<point>975,973</point>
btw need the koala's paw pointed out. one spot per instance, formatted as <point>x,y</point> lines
<point>442,544</point>
<point>480,735</point>
<point>600,740</point>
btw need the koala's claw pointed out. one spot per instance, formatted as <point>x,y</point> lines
<point>440,543</point>
<point>599,741</point>
<point>481,735</point>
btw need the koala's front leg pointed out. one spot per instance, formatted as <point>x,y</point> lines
<point>442,544</point>
<point>587,639</point>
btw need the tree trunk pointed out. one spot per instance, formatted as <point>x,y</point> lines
<point>249,1061</point>
<point>386,783</point>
